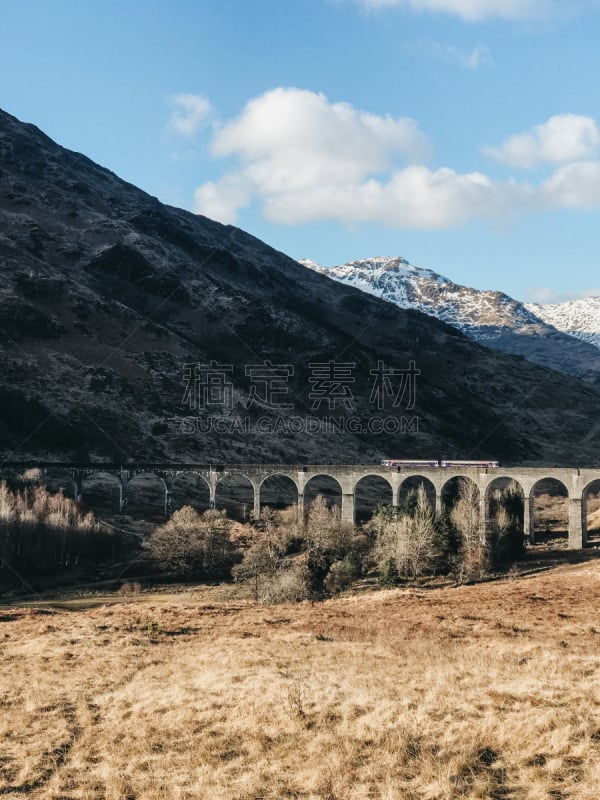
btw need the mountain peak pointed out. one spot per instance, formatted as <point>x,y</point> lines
<point>386,273</point>
<point>545,334</point>
<point>382,262</point>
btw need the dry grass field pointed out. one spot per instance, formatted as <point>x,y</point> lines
<point>485,691</point>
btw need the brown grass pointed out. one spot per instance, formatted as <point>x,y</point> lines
<point>489,691</point>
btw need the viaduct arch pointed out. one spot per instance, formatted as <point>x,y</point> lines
<point>575,480</point>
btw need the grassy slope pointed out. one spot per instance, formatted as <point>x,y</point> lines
<point>489,691</point>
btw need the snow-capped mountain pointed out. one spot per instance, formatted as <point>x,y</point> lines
<point>579,318</point>
<point>482,315</point>
<point>554,338</point>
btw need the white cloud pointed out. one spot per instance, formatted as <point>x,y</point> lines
<point>303,159</point>
<point>189,113</point>
<point>473,59</point>
<point>296,125</point>
<point>293,144</point>
<point>574,186</point>
<point>474,10</point>
<point>542,294</point>
<point>222,200</point>
<point>415,197</point>
<point>564,137</point>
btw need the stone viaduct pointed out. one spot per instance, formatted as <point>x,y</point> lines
<point>576,483</point>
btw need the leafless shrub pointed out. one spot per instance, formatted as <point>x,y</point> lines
<point>259,563</point>
<point>296,697</point>
<point>286,585</point>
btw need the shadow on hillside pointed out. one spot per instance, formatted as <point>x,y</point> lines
<point>555,553</point>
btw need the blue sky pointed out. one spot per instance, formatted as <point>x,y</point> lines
<point>461,134</point>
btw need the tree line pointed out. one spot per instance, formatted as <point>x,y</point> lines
<point>283,560</point>
<point>44,534</point>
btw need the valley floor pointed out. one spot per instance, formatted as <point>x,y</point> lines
<point>485,691</point>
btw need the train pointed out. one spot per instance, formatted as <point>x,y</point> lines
<point>411,463</point>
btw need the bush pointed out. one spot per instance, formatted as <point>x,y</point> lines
<point>389,574</point>
<point>130,590</point>
<point>193,545</point>
<point>285,585</point>
<point>341,575</point>
<point>259,563</point>
<point>328,540</point>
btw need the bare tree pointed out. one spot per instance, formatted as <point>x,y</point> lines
<point>411,540</point>
<point>474,557</point>
<point>261,560</point>
<point>424,550</point>
<point>41,533</point>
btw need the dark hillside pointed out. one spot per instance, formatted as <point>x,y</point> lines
<point>105,295</point>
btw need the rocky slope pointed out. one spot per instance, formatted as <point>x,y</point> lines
<point>106,295</point>
<point>542,334</point>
